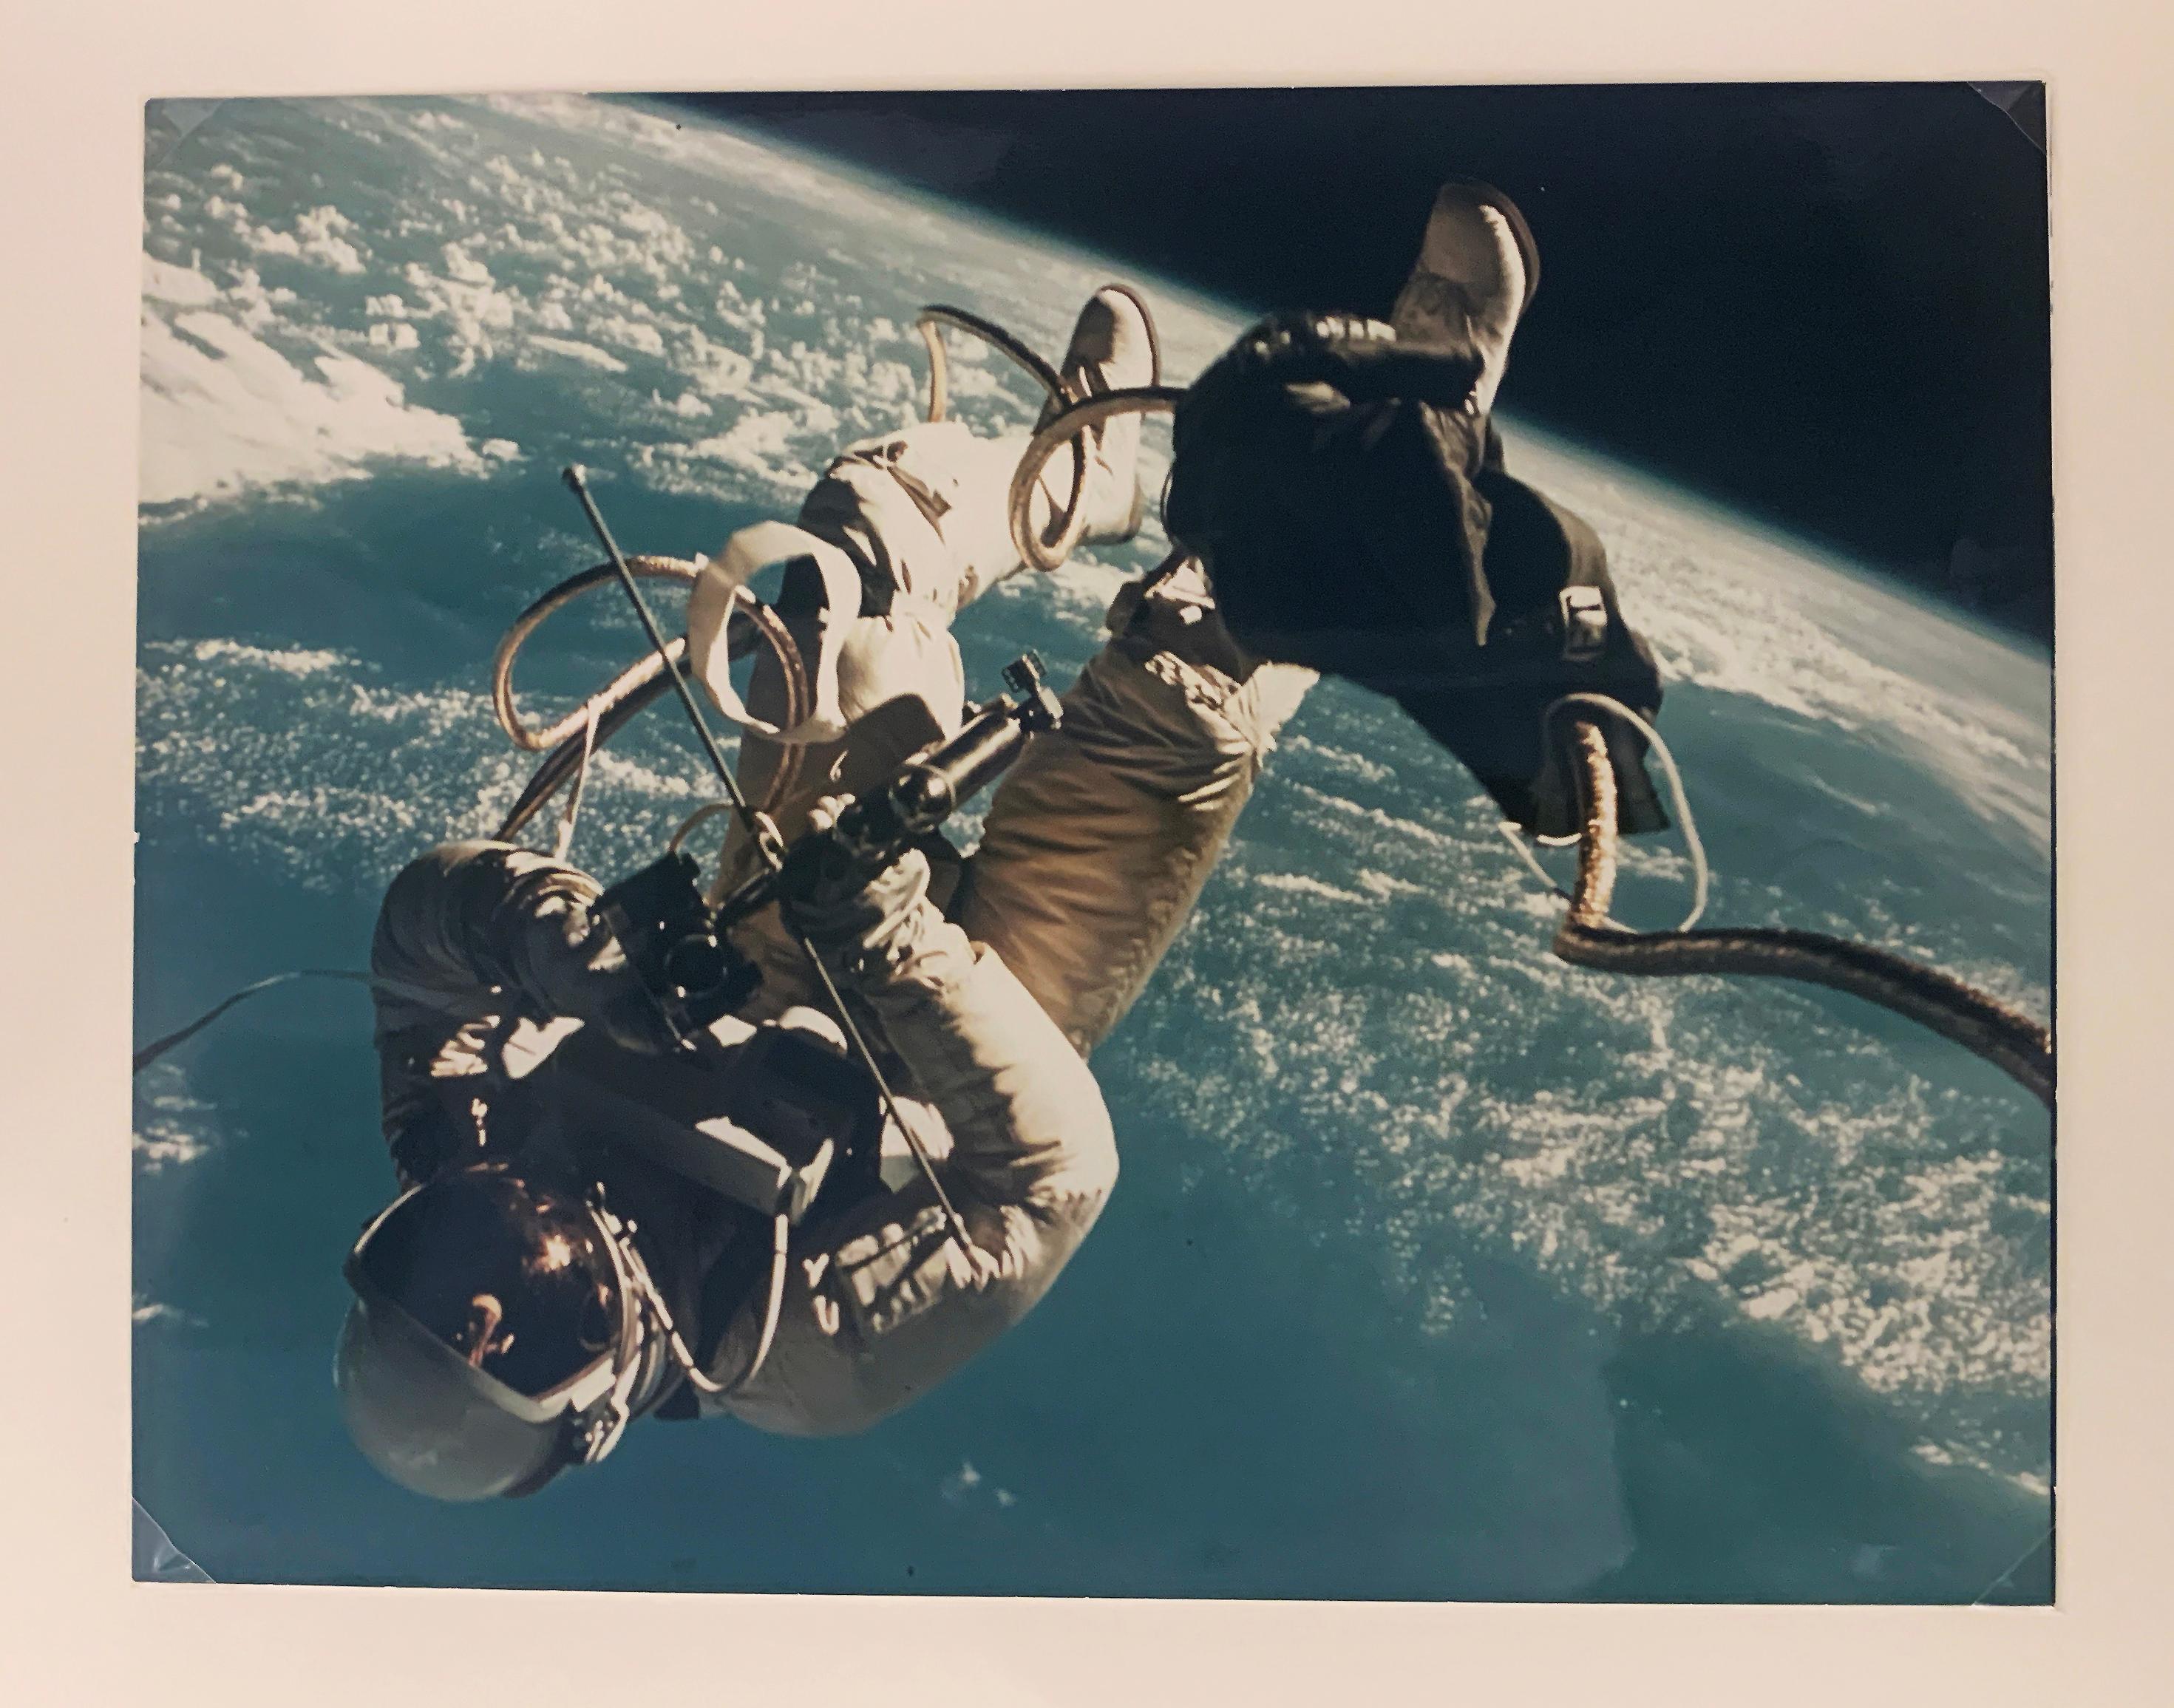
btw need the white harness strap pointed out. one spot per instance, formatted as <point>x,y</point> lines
<point>572,815</point>
<point>746,554</point>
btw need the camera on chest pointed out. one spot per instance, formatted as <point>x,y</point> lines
<point>670,937</point>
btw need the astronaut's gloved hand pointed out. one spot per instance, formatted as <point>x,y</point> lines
<point>861,922</point>
<point>572,965</point>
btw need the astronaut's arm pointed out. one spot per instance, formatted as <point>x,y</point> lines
<point>508,929</point>
<point>881,1303</point>
<point>1026,1122</point>
<point>473,940</point>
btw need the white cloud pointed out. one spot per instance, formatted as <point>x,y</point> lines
<point>224,413</point>
<point>308,764</point>
<point>288,661</point>
<point>143,1310</point>
<point>319,231</point>
<point>182,286</point>
<point>629,334</point>
<point>472,308</point>
<point>715,369</point>
<point>462,266</point>
<point>160,1145</point>
<point>573,350</point>
<point>760,445</point>
<point>318,237</point>
<point>961,1482</point>
<point>257,306</point>
<point>169,1127</point>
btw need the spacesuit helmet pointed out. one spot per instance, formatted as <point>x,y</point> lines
<point>493,1338</point>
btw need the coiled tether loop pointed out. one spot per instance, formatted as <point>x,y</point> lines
<point>1074,417</point>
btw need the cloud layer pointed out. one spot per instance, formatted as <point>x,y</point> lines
<point>224,413</point>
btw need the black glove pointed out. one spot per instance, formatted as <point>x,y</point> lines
<point>857,920</point>
<point>566,962</point>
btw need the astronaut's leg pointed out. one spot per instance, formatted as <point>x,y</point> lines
<point>927,509</point>
<point>1099,841</point>
<point>924,513</point>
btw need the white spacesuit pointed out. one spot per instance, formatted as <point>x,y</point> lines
<point>1095,849</point>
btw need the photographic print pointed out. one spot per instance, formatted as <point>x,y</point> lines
<point>1157,843</point>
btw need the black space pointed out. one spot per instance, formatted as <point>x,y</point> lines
<point>1826,304</point>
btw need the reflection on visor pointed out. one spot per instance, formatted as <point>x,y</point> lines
<point>518,1283</point>
<point>426,1420</point>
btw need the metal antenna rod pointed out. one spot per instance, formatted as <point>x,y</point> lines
<point>576,480</point>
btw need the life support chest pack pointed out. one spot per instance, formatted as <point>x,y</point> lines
<point>775,1128</point>
<point>1354,514</point>
<point>770,1124</point>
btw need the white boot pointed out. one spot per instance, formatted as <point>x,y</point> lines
<point>1477,267</point>
<point>1113,346</point>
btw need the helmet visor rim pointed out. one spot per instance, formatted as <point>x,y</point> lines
<point>576,1391</point>
<point>424,1428</point>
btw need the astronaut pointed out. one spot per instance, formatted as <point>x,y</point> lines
<point>544,1279</point>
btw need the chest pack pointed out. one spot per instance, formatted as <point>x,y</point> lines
<point>769,1132</point>
<point>771,1126</point>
